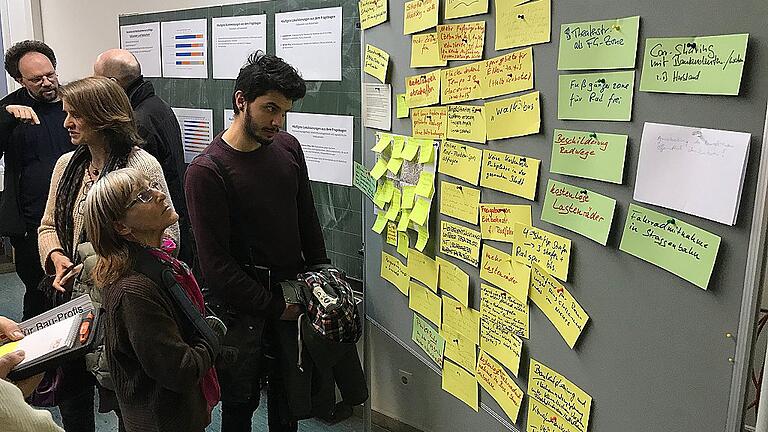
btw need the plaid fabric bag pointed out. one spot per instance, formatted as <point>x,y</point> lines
<point>330,305</point>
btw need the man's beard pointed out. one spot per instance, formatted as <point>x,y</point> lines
<point>43,98</point>
<point>252,132</point>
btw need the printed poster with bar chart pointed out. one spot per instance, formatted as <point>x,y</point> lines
<point>185,49</point>
<point>196,130</point>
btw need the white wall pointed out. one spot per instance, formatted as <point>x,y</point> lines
<point>78,30</point>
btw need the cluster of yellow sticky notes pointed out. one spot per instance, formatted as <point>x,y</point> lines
<point>458,201</point>
<point>502,313</point>
<point>461,384</point>
<point>422,90</point>
<point>459,348</point>
<point>520,23</point>
<point>462,83</point>
<point>376,62</point>
<point>463,41</point>
<point>513,117</point>
<point>494,379</point>
<point>536,246</point>
<point>394,272</point>
<point>460,242</point>
<point>402,243</point>
<point>509,73</point>
<point>463,8</point>
<point>462,319</point>
<point>498,268</point>
<point>513,174</point>
<point>419,15</point>
<point>497,221</point>
<point>460,161</point>
<point>558,393</point>
<point>429,122</point>
<point>391,233</point>
<point>558,305</point>
<point>425,51</point>
<point>466,123</point>
<point>423,268</point>
<point>453,280</point>
<point>425,302</point>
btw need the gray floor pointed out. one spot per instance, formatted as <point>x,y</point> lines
<point>11,292</point>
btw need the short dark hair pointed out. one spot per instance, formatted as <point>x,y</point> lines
<point>264,73</point>
<point>17,51</point>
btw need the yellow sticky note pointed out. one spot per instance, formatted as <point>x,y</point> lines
<point>372,12</point>
<point>402,106</point>
<point>513,117</point>
<point>536,246</point>
<point>460,161</point>
<point>398,144</point>
<point>502,315</point>
<point>462,83</point>
<point>425,302</point>
<point>559,394</point>
<point>427,150</point>
<point>497,221</point>
<point>392,233</point>
<point>507,348</point>
<point>460,384</point>
<point>523,24</point>
<point>376,62</point>
<point>459,201</point>
<point>394,206</point>
<point>462,319</point>
<point>409,194</point>
<point>423,237</point>
<point>462,41</point>
<point>425,52</point>
<point>426,185</point>
<point>509,73</point>
<point>543,418</point>
<point>383,142</point>
<point>466,123</point>
<point>379,169</point>
<point>453,280</point>
<point>420,211</point>
<point>380,223</point>
<point>429,122</point>
<point>402,243</point>
<point>422,90</point>
<point>459,348</point>
<point>8,348</point>
<point>394,272</point>
<point>378,197</point>
<point>498,268</point>
<point>394,165</point>
<point>513,174</point>
<point>494,379</point>
<point>389,190</point>
<point>463,8</point>
<point>559,306</point>
<point>423,268</point>
<point>419,15</point>
<point>460,242</point>
<point>402,224</point>
<point>410,149</point>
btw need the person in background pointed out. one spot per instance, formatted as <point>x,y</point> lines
<point>162,369</point>
<point>158,127</point>
<point>100,123</point>
<point>264,215</point>
<point>32,137</point>
<point>15,414</point>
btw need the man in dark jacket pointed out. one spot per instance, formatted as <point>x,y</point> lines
<point>158,126</point>
<point>32,137</point>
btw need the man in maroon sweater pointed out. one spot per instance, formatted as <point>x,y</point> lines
<point>258,211</point>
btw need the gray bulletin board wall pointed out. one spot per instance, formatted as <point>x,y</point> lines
<point>654,356</point>
<point>338,207</point>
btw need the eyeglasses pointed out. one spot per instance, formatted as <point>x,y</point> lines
<point>146,195</point>
<point>51,77</point>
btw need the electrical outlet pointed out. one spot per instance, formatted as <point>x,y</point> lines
<point>405,377</point>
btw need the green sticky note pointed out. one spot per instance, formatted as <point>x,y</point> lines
<point>426,185</point>
<point>592,155</point>
<point>380,223</point>
<point>379,198</point>
<point>363,181</point>
<point>423,238</point>
<point>394,206</point>
<point>409,194</point>
<point>606,44</point>
<point>410,149</point>
<point>402,241</point>
<point>384,140</point>
<point>427,151</point>
<point>428,338</point>
<point>579,210</point>
<point>405,219</point>
<point>394,165</point>
<point>398,144</point>
<point>379,169</point>
<point>389,190</point>
<point>596,96</point>
<point>671,244</point>
<point>420,211</point>
<point>699,64</point>
<point>402,106</point>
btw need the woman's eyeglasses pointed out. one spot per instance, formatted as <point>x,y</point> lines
<point>146,195</point>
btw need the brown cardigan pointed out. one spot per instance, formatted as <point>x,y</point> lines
<point>156,366</point>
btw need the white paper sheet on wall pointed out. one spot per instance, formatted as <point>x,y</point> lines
<point>377,106</point>
<point>143,41</point>
<point>326,141</point>
<point>234,39</point>
<point>310,41</point>
<point>693,170</point>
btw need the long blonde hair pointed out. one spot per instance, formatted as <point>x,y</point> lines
<point>105,204</point>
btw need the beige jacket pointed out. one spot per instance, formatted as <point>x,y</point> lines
<point>17,416</point>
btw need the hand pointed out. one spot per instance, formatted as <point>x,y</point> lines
<point>10,329</point>
<point>23,114</point>
<point>291,312</point>
<point>64,270</point>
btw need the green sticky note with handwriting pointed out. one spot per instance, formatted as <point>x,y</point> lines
<point>606,44</point>
<point>671,244</point>
<point>593,155</point>
<point>579,210</point>
<point>596,96</point>
<point>402,106</point>
<point>698,65</point>
<point>364,181</point>
<point>428,338</point>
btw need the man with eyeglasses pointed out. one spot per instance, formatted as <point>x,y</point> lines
<point>32,137</point>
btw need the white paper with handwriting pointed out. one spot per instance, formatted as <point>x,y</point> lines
<point>693,170</point>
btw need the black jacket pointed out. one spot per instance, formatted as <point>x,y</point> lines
<point>30,152</point>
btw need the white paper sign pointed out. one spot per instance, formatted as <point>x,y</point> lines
<point>693,170</point>
<point>185,49</point>
<point>234,39</point>
<point>143,41</point>
<point>196,126</point>
<point>310,41</point>
<point>377,106</point>
<point>326,141</point>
